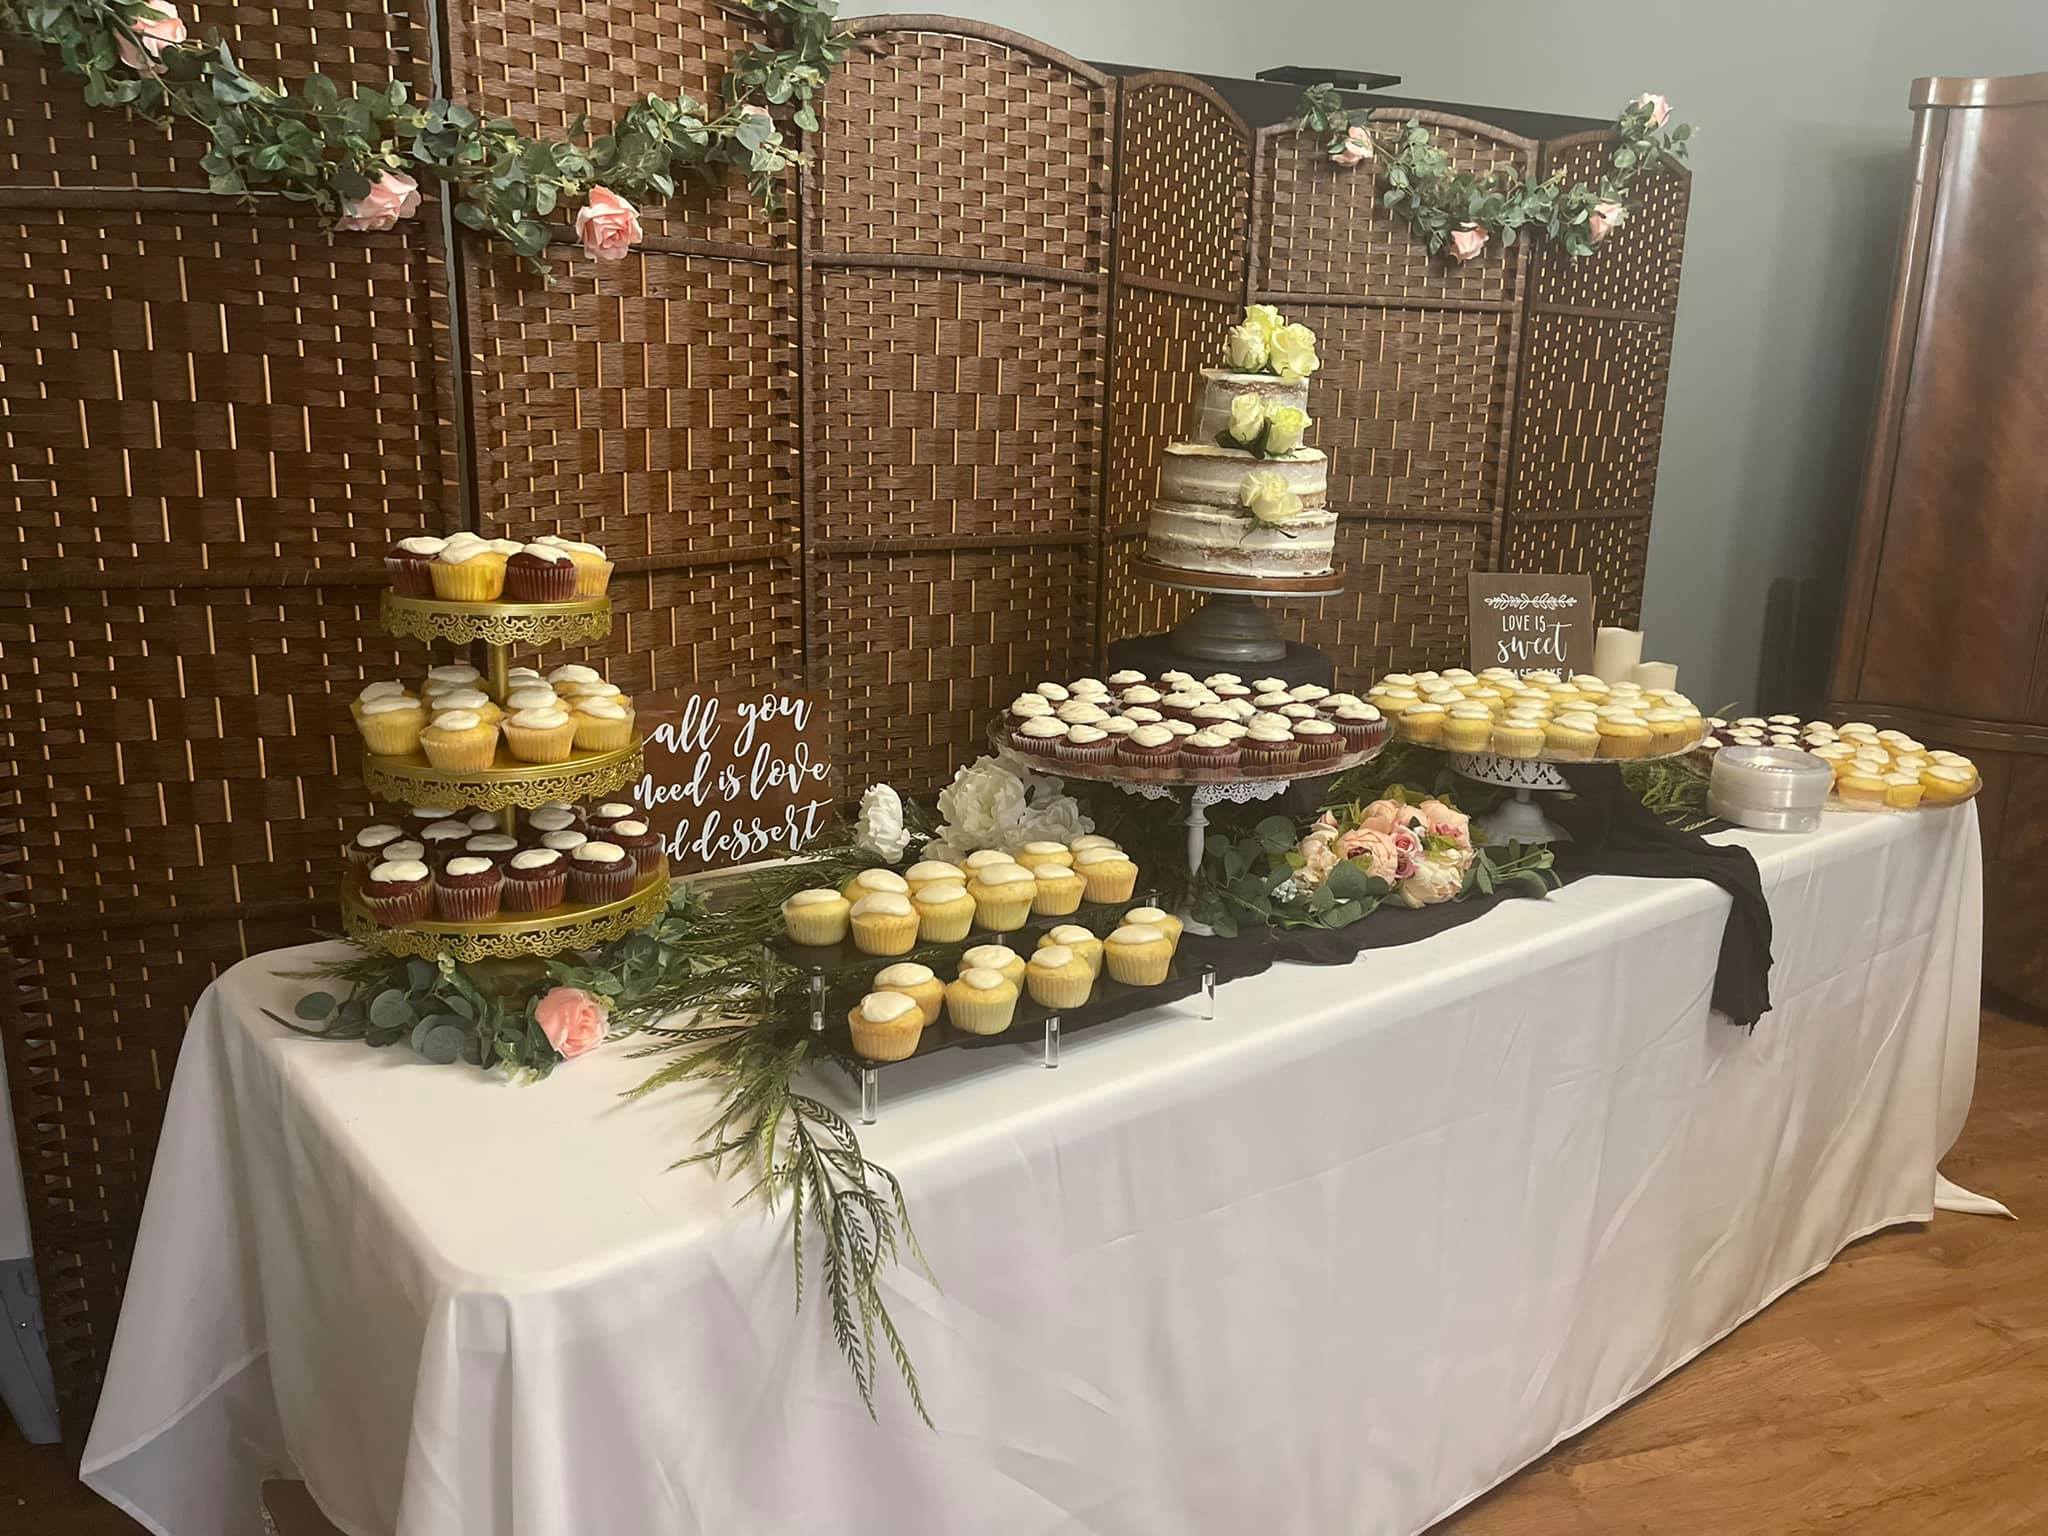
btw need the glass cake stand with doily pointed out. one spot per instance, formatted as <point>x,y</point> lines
<point>1230,627</point>
<point>1203,787</point>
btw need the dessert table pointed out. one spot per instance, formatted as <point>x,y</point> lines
<point>1340,1259</point>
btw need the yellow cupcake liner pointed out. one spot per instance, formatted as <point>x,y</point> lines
<point>1050,991</point>
<point>884,933</point>
<point>595,735</point>
<point>1138,965</point>
<point>593,574</point>
<point>480,579</point>
<point>1110,882</point>
<point>810,925</point>
<point>1624,746</point>
<point>549,746</point>
<point>1002,914</point>
<point>978,1012</point>
<point>1059,898</point>
<point>395,733</point>
<point>893,1041</point>
<point>947,923</point>
<point>463,752</point>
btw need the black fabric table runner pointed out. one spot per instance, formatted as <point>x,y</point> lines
<point>1613,833</point>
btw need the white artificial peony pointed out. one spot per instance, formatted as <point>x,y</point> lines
<point>988,805</point>
<point>879,827</point>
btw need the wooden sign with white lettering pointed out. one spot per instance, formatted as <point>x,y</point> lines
<point>733,775</point>
<point>1531,622</point>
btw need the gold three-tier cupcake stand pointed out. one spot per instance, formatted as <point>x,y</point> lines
<point>506,787</point>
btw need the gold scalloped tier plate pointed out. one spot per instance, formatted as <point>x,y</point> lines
<point>529,624</point>
<point>412,780</point>
<point>553,932</point>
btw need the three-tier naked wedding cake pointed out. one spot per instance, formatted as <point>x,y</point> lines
<point>1244,497</point>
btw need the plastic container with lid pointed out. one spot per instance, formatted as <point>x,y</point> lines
<point>1773,789</point>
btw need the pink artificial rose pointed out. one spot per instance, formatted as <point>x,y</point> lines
<point>391,197</point>
<point>1327,822</point>
<point>1439,820</point>
<point>1357,147</point>
<point>1468,242</point>
<point>158,26</point>
<point>1604,220</point>
<point>1373,852</point>
<point>572,1019</point>
<point>607,225</point>
<point>1433,881</point>
<point>1387,815</point>
<point>1407,848</point>
<point>1660,109</point>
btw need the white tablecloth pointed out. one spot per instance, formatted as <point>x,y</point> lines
<point>1337,1261</point>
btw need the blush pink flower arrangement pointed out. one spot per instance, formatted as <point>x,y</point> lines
<point>573,1020</point>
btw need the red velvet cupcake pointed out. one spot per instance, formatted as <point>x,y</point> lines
<point>468,889</point>
<point>599,818</point>
<point>1149,746</point>
<point>535,880</point>
<point>498,847</point>
<point>399,892</point>
<point>1209,751</point>
<point>640,840</point>
<point>1042,737</point>
<point>601,873</point>
<point>540,574</point>
<point>1269,746</point>
<point>410,564</point>
<point>1320,741</point>
<point>366,848</point>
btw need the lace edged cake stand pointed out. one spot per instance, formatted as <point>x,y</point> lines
<point>1203,788</point>
<point>1230,626</point>
<point>506,787</point>
<point>1520,818</point>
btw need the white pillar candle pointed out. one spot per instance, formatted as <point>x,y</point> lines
<point>1655,676</point>
<point>1615,653</point>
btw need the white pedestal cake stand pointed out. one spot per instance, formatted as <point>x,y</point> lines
<point>1520,818</point>
<point>1230,627</point>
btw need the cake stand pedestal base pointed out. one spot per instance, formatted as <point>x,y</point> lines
<point>1520,817</point>
<point>1229,628</point>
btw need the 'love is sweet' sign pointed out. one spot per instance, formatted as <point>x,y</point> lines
<point>1531,622</point>
<point>734,774</point>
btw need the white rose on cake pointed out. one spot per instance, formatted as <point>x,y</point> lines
<point>1291,352</point>
<point>1245,348</point>
<point>1286,426</point>
<point>1247,420</point>
<point>1264,319</point>
<point>1266,497</point>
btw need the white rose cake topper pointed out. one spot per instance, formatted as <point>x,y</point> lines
<point>1248,496</point>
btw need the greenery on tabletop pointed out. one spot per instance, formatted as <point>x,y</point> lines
<point>356,154</point>
<point>1462,213</point>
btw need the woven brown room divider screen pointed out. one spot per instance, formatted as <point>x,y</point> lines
<point>1183,178</point>
<point>955,277</point>
<point>1596,367</point>
<point>1414,399</point>
<point>214,420</point>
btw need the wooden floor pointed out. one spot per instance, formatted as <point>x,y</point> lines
<point>1903,1391</point>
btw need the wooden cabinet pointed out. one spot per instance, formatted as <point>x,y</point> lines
<point>1945,627</point>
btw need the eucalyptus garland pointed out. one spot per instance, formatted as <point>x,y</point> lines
<point>1462,213</point>
<point>356,155</point>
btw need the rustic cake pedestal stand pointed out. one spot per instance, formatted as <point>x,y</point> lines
<point>1231,627</point>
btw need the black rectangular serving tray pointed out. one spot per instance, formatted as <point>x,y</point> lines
<point>1111,1000</point>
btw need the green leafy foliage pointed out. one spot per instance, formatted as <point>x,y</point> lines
<point>1419,184</point>
<point>315,145</point>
